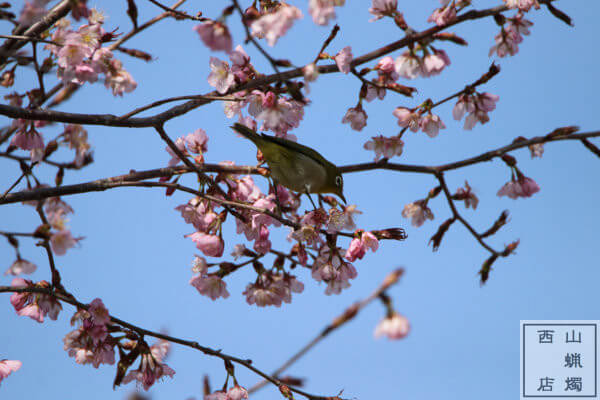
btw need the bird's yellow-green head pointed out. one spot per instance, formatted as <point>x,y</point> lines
<point>334,182</point>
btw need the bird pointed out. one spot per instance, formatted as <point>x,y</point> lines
<point>295,166</point>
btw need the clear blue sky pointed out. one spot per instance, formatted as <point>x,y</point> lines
<point>464,342</point>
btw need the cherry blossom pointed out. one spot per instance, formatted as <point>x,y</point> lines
<point>199,265</point>
<point>395,327</point>
<point>435,62</point>
<point>537,150</point>
<point>215,35</point>
<point>210,245</point>
<point>240,65</point>
<point>443,16</point>
<point>61,241</point>
<point>343,59</point>
<point>237,393</point>
<point>21,266</point>
<point>274,25</point>
<point>431,124</point>
<point>150,370</point>
<point>359,246</point>
<point>356,117</point>
<point>467,195</point>
<point>7,367</point>
<point>210,285</point>
<point>409,66</point>
<point>34,305</point>
<point>418,212</point>
<point>385,147</point>
<point>523,5</point>
<point>382,8</point>
<point>322,10</point>
<point>180,144</point>
<point>477,105</point>
<point>26,139</point>
<point>407,118</point>
<point>520,187</point>
<point>220,77</point>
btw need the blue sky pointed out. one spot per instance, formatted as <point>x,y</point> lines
<point>464,341</point>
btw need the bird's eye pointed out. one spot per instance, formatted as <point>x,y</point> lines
<point>338,181</point>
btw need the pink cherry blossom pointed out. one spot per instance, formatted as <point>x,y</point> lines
<point>237,393</point>
<point>99,314</point>
<point>395,327</point>
<point>523,5</point>
<point>266,291</point>
<point>278,114</point>
<point>443,16</point>
<point>359,246</point>
<point>477,105</point>
<point>507,43</point>
<point>330,268</point>
<point>77,138</point>
<point>274,25</point>
<point>9,366</point>
<point>343,59</point>
<point>418,212</point>
<point>382,8</point>
<point>322,10</point>
<point>149,371</point>
<point>431,124</point>
<point>387,70</point>
<point>118,79</point>
<point>197,141</point>
<point>32,12</point>
<point>220,77</point>
<point>199,265</point>
<point>218,395</point>
<point>518,25</point>
<point>61,241</point>
<point>310,72</point>
<point>240,65</point>
<point>342,220</point>
<point>180,144</point>
<point>435,62</point>
<point>467,195</point>
<point>356,117</point>
<point>215,35</point>
<point>407,118</point>
<point>385,147</point>
<point>26,139</point>
<point>20,266</point>
<point>34,305</point>
<point>210,285</point>
<point>210,245</point>
<point>537,150</point>
<point>409,66</point>
<point>521,187</point>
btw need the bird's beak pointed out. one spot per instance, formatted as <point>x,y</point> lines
<point>341,196</point>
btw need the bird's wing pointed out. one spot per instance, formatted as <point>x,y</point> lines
<point>307,151</point>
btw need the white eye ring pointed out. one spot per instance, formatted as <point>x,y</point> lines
<point>338,180</point>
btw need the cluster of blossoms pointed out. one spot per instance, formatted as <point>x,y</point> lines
<point>34,305</point>
<point>274,22</point>
<point>193,143</point>
<point>521,186</point>
<point>90,343</point>
<point>477,105</point>
<point>61,238</point>
<point>81,57</point>
<point>415,120</point>
<point>27,137</point>
<point>507,41</point>
<point>236,392</point>
<point>386,147</point>
<point>7,367</point>
<point>151,368</point>
<point>271,289</point>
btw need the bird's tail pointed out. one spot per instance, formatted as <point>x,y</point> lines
<point>246,132</point>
